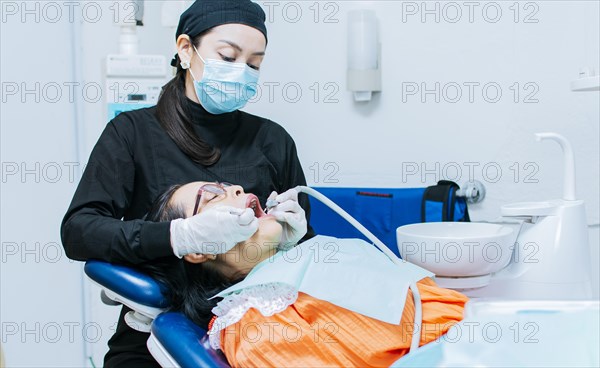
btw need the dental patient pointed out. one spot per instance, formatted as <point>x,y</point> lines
<point>324,302</point>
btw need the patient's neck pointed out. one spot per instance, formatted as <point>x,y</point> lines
<point>238,263</point>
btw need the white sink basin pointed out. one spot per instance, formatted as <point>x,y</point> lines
<point>456,249</point>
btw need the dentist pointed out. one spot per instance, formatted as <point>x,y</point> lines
<point>195,133</point>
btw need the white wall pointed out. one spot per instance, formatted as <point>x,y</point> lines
<point>376,144</point>
<point>379,137</point>
<point>40,302</point>
<point>370,144</point>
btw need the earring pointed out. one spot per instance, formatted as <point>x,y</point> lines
<point>185,64</point>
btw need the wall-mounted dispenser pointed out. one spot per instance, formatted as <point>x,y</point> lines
<point>364,55</point>
<point>132,80</point>
<point>588,81</point>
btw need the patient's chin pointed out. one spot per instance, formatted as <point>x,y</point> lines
<point>269,230</point>
<point>266,238</point>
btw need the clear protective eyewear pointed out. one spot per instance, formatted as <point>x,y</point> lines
<point>218,189</point>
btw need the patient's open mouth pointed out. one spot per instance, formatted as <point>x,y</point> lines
<point>253,203</point>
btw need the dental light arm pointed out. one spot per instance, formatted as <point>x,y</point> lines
<point>416,337</point>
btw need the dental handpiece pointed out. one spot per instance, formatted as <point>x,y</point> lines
<point>270,204</point>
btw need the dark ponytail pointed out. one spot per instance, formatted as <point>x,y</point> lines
<point>174,119</point>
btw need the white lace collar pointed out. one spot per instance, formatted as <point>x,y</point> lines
<point>268,299</point>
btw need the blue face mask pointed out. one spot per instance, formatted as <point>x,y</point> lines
<point>225,86</point>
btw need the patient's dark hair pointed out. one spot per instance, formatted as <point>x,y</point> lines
<point>187,286</point>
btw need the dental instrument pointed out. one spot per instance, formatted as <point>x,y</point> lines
<point>416,337</point>
<point>270,204</point>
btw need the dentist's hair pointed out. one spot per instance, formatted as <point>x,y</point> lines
<point>187,286</point>
<point>171,111</point>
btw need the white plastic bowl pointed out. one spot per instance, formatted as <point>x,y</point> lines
<point>456,249</point>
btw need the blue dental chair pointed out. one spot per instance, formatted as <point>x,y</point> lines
<point>174,341</point>
<point>177,342</point>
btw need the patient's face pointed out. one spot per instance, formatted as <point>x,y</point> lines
<point>244,256</point>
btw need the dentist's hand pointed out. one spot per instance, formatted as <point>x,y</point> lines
<point>214,231</point>
<point>291,215</point>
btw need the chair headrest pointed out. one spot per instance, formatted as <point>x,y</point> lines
<point>127,282</point>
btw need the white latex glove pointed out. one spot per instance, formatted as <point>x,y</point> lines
<point>291,215</point>
<point>214,231</point>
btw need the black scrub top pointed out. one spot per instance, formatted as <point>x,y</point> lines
<point>134,161</point>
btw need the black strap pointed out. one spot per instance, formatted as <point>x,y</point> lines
<point>444,192</point>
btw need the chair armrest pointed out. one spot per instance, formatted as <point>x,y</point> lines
<point>186,344</point>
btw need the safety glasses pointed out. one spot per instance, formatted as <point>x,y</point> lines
<point>218,189</point>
